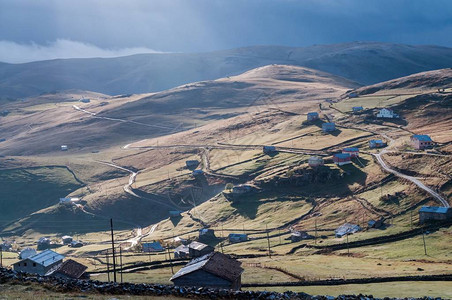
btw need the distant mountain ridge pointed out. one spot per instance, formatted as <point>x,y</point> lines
<point>363,62</point>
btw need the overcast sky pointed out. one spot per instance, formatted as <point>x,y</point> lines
<point>34,30</point>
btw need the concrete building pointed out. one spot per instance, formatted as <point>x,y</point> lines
<point>434,213</point>
<point>353,151</point>
<point>421,141</point>
<point>315,161</point>
<point>342,159</point>
<point>328,127</point>
<point>40,263</point>
<point>387,113</point>
<point>376,144</point>
<point>312,116</point>
<point>237,237</point>
<point>214,270</point>
<point>197,249</point>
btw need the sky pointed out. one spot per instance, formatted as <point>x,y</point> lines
<point>35,30</point>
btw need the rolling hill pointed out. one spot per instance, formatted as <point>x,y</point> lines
<point>363,62</point>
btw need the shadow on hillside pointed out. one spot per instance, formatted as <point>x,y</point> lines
<point>354,174</point>
<point>247,206</point>
<point>175,220</point>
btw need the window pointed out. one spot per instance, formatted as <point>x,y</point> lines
<point>34,264</point>
<point>25,264</point>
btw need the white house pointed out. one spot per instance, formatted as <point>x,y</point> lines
<point>64,147</point>
<point>69,200</point>
<point>387,113</point>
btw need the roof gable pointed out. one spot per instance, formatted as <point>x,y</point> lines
<point>46,258</point>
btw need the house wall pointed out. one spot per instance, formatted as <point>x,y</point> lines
<point>426,216</point>
<point>34,269</point>
<point>421,144</point>
<point>205,279</point>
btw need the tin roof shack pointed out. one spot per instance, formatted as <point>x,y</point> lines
<point>377,144</point>
<point>315,161</point>
<point>345,229</point>
<point>192,164</point>
<point>237,237</point>
<point>421,141</point>
<point>27,252</point>
<point>181,251</point>
<point>353,151</point>
<point>328,127</point>
<point>43,243</point>
<point>152,247</point>
<point>40,263</point>
<point>75,244</point>
<point>297,236</point>
<point>69,269</point>
<point>357,109</point>
<point>387,113</point>
<point>197,249</point>
<point>312,116</point>
<point>376,224</point>
<point>215,270</point>
<point>434,213</point>
<point>66,239</point>
<point>342,159</point>
<point>269,149</point>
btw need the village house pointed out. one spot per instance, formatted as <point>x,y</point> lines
<point>312,116</point>
<point>66,239</point>
<point>215,270</point>
<point>315,161</point>
<point>192,164</point>
<point>421,141</point>
<point>152,247</point>
<point>237,237</point>
<point>43,243</point>
<point>75,244</point>
<point>196,249</point>
<point>181,251</point>
<point>40,263</point>
<point>6,246</point>
<point>64,147</point>
<point>69,200</point>
<point>328,127</point>
<point>357,109</point>
<point>353,151</point>
<point>69,269</point>
<point>241,189</point>
<point>342,159</point>
<point>206,234</point>
<point>376,223</point>
<point>85,100</point>
<point>27,252</point>
<point>434,213</point>
<point>387,113</point>
<point>376,144</point>
<point>269,149</point>
<point>353,95</point>
<point>345,229</point>
<point>297,236</point>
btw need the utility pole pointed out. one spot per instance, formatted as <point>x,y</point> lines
<point>171,262</point>
<point>113,249</point>
<point>411,218</point>
<point>108,266</point>
<point>423,239</point>
<point>348,248</point>
<point>315,238</point>
<point>268,242</point>
<point>120,261</point>
<point>1,257</point>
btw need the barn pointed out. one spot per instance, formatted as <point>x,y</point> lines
<point>40,263</point>
<point>434,213</point>
<point>421,141</point>
<point>215,270</point>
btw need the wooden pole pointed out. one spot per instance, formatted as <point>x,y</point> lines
<point>348,248</point>
<point>113,250</point>
<point>315,238</point>
<point>108,266</point>
<point>423,239</point>
<point>1,257</point>
<point>411,219</point>
<point>120,261</point>
<point>268,242</point>
<point>171,262</point>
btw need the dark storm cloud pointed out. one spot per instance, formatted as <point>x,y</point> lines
<point>205,25</point>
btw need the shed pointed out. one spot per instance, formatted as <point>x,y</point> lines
<point>387,113</point>
<point>69,269</point>
<point>237,237</point>
<point>434,213</point>
<point>375,223</point>
<point>85,100</point>
<point>312,116</point>
<point>64,147</point>
<point>376,144</point>
<point>315,161</point>
<point>345,229</point>
<point>6,246</point>
<point>75,244</point>
<point>357,109</point>
<point>66,239</point>
<point>353,151</point>
<point>27,252</point>
<point>152,247</point>
<point>43,243</point>
<point>328,127</point>
<point>421,141</point>
<point>242,189</point>
<point>211,270</point>
<point>269,149</point>
<point>181,251</point>
<point>296,236</point>
<point>39,263</point>
<point>342,159</point>
<point>192,164</point>
<point>196,249</point>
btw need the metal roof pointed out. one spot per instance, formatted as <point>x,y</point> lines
<point>351,149</point>
<point>313,114</point>
<point>197,245</point>
<point>422,137</point>
<point>46,258</point>
<point>342,155</point>
<point>434,209</point>
<point>376,141</point>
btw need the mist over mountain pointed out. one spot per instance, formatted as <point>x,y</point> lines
<point>363,62</point>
